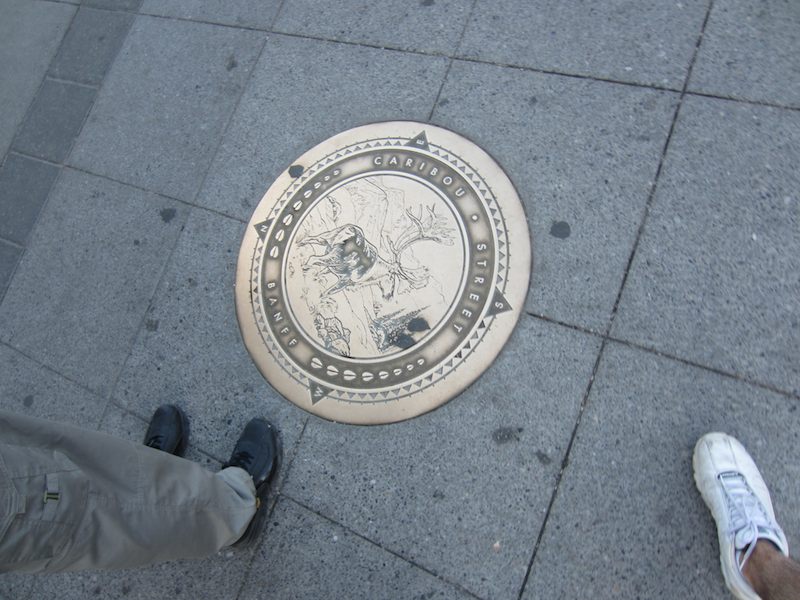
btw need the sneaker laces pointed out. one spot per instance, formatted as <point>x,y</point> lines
<point>749,520</point>
<point>241,459</point>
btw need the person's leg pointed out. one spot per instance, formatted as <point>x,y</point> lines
<point>112,503</point>
<point>772,575</point>
<point>753,548</point>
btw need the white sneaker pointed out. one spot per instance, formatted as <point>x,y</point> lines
<point>735,492</point>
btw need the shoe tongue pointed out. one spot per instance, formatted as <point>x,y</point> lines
<point>744,537</point>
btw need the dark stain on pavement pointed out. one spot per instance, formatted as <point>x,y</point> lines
<point>151,324</point>
<point>503,435</point>
<point>560,229</point>
<point>543,458</point>
<point>428,2</point>
<point>167,214</point>
<point>28,401</point>
<point>231,64</point>
<point>296,170</point>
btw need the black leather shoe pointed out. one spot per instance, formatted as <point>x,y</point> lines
<point>168,430</point>
<point>258,452</point>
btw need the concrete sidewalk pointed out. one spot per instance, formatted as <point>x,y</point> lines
<point>656,145</point>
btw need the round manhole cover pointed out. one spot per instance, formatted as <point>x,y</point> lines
<point>382,273</point>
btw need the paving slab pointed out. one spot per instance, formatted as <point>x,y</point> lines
<point>227,12</point>
<point>282,114</point>
<point>164,104</point>
<point>750,51</point>
<point>421,25</point>
<point>190,352</point>
<point>463,490</point>
<point>334,563</point>
<point>30,32</point>
<point>9,255</point>
<point>54,120</point>
<point>90,269</point>
<point>628,521</point>
<point>219,577</point>
<point>92,42</point>
<point>582,155</point>
<point>24,185</point>
<point>716,278</point>
<point>27,388</point>
<point>648,42</point>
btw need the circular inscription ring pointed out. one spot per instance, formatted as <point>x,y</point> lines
<point>382,273</point>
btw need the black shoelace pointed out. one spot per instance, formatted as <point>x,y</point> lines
<point>241,459</point>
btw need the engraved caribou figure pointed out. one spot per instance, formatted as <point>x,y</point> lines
<point>356,262</point>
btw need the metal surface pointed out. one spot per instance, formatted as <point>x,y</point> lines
<point>383,272</point>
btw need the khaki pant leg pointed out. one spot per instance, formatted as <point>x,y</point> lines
<point>120,504</point>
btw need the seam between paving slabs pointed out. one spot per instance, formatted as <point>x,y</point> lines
<point>604,342</point>
<point>62,166</point>
<point>53,371</point>
<point>69,81</point>
<point>68,2</point>
<point>452,59</point>
<point>125,183</point>
<point>9,152</point>
<point>478,61</point>
<point>276,16</point>
<point>371,542</point>
<point>228,122</point>
<point>16,245</point>
<point>650,350</point>
<point>24,246</point>
<point>134,186</point>
<point>130,185</point>
<point>24,120</point>
<point>278,494</point>
<point>156,288</point>
<point>193,207</point>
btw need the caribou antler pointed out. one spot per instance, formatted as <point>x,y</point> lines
<point>431,227</point>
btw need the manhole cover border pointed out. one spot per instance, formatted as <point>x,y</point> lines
<point>424,386</point>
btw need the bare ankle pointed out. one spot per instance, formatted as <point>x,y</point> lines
<point>758,563</point>
<point>772,575</point>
